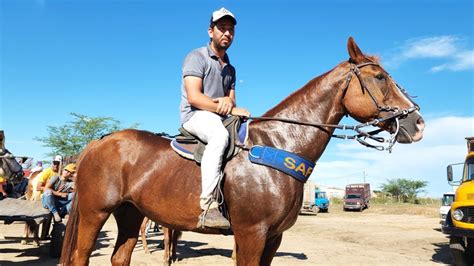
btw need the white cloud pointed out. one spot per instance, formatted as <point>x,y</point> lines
<point>462,61</point>
<point>447,48</point>
<point>431,47</point>
<point>443,143</point>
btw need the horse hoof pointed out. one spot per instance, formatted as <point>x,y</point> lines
<point>161,245</point>
<point>23,242</point>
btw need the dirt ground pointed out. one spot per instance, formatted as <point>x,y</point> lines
<point>402,235</point>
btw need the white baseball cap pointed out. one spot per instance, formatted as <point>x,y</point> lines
<point>218,14</point>
<point>57,158</point>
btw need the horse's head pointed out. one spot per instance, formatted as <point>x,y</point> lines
<point>371,93</point>
<point>9,167</point>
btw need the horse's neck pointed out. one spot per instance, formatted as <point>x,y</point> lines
<point>319,101</point>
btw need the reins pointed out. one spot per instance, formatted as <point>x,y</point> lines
<point>361,137</point>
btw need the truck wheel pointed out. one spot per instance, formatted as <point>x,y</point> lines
<point>315,209</point>
<point>470,251</point>
<point>458,250</point>
<point>57,235</point>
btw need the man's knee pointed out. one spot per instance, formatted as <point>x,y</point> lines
<point>47,192</point>
<point>220,138</point>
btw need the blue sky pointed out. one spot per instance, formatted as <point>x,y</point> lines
<point>123,59</point>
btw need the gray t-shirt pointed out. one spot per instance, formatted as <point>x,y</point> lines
<point>61,185</point>
<point>217,80</point>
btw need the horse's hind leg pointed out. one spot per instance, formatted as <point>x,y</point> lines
<point>170,240</point>
<point>249,246</point>
<point>90,223</point>
<point>143,229</point>
<point>176,235</point>
<point>129,220</point>
<point>167,242</point>
<point>27,234</point>
<point>271,247</point>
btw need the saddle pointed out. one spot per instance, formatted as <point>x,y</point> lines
<point>192,148</point>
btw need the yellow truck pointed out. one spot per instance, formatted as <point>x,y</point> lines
<point>460,219</point>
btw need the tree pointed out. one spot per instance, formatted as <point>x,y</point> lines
<point>70,139</point>
<point>405,189</point>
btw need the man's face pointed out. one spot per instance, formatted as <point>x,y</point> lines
<point>55,166</point>
<point>222,34</point>
<point>66,174</point>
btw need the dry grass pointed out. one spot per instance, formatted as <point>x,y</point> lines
<point>428,210</point>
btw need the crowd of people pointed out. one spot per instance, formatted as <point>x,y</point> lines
<point>52,185</point>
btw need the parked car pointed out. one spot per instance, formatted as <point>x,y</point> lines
<point>446,201</point>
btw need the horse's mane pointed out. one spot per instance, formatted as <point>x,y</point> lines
<point>314,83</point>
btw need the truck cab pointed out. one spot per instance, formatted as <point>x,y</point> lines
<point>321,200</point>
<point>357,197</point>
<point>459,223</point>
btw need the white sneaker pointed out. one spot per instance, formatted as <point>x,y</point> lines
<point>56,217</point>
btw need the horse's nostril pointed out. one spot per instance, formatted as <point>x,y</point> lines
<point>420,123</point>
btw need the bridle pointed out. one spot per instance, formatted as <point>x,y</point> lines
<point>361,136</point>
<point>355,70</point>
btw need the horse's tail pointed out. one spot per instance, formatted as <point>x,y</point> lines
<point>70,237</point>
<point>178,235</point>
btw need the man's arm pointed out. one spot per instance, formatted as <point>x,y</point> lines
<point>41,180</point>
<point>196,98</point>
<point>54,192</point>
<point>237,110</point>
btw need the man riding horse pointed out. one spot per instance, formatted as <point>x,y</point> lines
<point>208,96</point>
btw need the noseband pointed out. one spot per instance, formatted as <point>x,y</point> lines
<point>355,70</point>
<point>395,114</point>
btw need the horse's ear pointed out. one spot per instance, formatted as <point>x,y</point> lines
<point>2,140</point>
<point>356,55</point>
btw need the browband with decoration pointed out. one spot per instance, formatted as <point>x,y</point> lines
<point>287,162</point>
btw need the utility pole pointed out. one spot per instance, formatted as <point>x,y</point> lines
<point>364,176</point>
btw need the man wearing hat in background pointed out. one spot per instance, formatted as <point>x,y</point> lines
<point>59,192</point>
<point>207,97</point>
<point>40,181</point>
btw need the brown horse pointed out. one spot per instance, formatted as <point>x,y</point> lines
<point>170,242</point>
<point>134,173</point>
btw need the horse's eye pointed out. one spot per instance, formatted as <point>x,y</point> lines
<point>380,76</point>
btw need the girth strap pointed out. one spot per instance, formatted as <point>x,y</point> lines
<point>287,162</point>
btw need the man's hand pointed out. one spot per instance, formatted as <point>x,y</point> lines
<point>240,112</point>
<point>224,105</point>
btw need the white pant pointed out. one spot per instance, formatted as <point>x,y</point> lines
<point>208,127</point>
